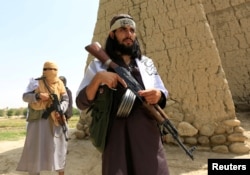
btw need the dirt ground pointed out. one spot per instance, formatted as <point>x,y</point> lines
<point>84,159</point>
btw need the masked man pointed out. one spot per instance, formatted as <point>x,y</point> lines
<point>45,144</point>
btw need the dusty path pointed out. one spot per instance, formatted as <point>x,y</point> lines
<point>83,159</point>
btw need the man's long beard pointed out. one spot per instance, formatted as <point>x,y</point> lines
<point>123,49</point>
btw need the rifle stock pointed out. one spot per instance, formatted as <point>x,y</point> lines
<point>155,110</point>
<point>96,50</point>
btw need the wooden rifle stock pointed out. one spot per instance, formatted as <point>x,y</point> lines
<point>96,50</point>
<point>155,110</point>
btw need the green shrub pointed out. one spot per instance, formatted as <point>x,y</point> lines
<point>76,111</point>
<point>10,112</point>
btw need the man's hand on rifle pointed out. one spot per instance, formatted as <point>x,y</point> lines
<point>109,78</point>
<point>103,78</point>
<point>44,96</point>
<point>151,96</point>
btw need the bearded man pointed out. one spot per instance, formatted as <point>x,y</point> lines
<point>133,142</point>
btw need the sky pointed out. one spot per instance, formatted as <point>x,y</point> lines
<point>35,31</point>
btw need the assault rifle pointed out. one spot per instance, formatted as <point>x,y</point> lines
<point>55,106</point>
<point>155,110</point>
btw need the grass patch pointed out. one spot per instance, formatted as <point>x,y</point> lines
<point>15,128</point>
<point>12,135</point>
<point>12,129</point>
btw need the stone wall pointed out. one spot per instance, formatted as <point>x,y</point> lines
<point>177,35</point>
